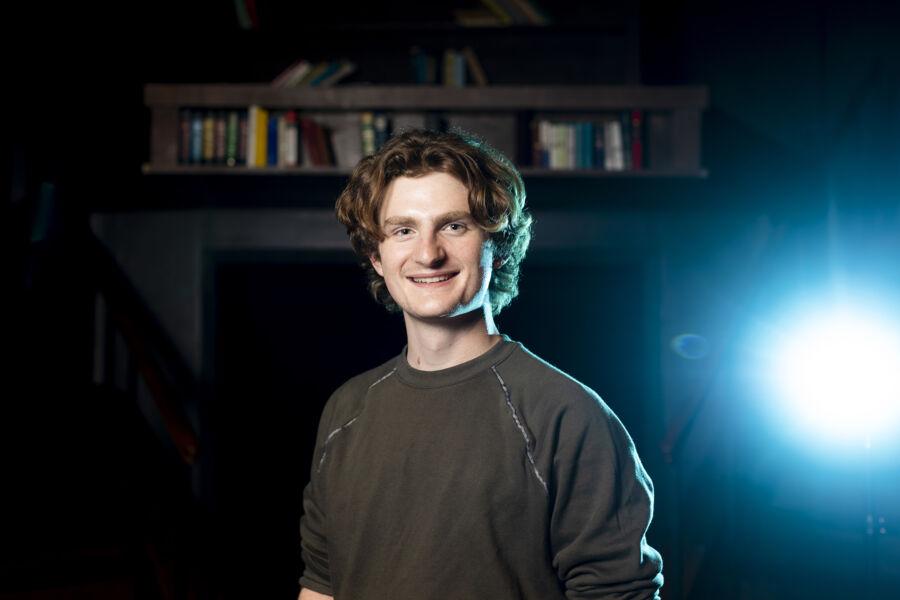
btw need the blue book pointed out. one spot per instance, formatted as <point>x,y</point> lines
<point>196,137</point>
<point>272,141</point>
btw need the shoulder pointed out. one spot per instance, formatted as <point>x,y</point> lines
<point>553,402</point>
<point>535,381</point>
<point>347,401</point>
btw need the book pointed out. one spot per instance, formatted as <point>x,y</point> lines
<point>454,73</point>
<point>313,73</point>
<point>343,70</point>
<point>637,140</point>
<point>272,142</point>
<point>196,137</point>
<point>532,13</point>
<point>209,140</point>
<point>625,120</point>
<point>316,139</point>
<point>381,126</point>
<point>291,75</point>
<point>367,133</point>
<point>219,137</point>
<point>475,68</point>
<point>288,140</point>
<point>262,137</point>
<point>184,136</point>
<point>516,15</point>
<point>252,124</point>
<point>343,142</point>
<point>599,145</point>
<point>312,155</point>
<point>498,11</point>
<point>330,68</point>
<point>232,131</point>
<point>424,66</point>
<point>242,138</point>
<point>614,151</point>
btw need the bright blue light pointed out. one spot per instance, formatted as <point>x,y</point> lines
<point>837,376</point>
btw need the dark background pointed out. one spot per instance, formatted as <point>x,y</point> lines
<point>802,145</point>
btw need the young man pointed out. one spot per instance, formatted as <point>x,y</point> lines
<point>467,467</point>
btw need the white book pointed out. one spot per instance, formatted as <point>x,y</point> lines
<point>252,125</point>
<point>614,159</point>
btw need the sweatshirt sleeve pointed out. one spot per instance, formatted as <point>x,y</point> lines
<point>313,535</point>
<point>601,503</point>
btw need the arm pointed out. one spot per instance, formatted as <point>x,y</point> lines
<point>313,535</point>
<point>602,504</point>
<point>306,594</point>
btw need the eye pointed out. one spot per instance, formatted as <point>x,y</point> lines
<point>456,227</point>
<point>402,231</point>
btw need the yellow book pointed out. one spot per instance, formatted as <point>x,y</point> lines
<point>262,136</point>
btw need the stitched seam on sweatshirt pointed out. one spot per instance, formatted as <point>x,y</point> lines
<point>391,372</point>
<point>515,416</point>
<point>345,425</point>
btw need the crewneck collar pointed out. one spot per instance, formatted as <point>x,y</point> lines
<point>456,374</point>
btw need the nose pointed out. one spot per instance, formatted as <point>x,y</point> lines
<point>430,252</point>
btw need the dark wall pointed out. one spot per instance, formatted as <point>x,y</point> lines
<point>802,141</point>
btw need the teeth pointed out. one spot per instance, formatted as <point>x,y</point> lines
<point>432,279</point>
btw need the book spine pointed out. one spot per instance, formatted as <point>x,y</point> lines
<point>272,143</point>
<point>637,140</point>
<point>196,154</point>
<point>232,130</point>
<point>220,131</point>
<point>625,119</point>
<point>310,142</point>
<point>289,139</point>
<point>589,160</point>
<point>599,144</point>
<point>460,69</point>
<point>495,7</point>
<point>242,138</point>
<point>262,137</point>
<point>546,143</point>
<point>252,123</point>
<point>184,136</point>
<point>615,157</point>
<point>209,137</point>
<point>448,68</point>
<point>367,133</point>
<point>380,125</point>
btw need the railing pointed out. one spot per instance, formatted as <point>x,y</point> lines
<point>151,354</point>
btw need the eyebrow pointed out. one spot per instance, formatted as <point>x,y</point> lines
<point>457,215</point>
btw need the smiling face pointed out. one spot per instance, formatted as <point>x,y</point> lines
<point>435,260</point>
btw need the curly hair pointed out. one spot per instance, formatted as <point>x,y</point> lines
<point>496,201</point>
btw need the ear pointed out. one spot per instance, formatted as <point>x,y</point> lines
<point>376,264</point>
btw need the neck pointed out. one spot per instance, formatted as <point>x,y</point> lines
<point>434,345</point>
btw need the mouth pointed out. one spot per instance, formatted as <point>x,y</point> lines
<point>432,280</point>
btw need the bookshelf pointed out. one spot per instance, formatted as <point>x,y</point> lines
<point>672,127</point>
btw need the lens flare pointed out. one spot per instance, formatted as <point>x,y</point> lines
<point>839,376</point>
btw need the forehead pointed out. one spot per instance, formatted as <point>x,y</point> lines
<point>431,194</point>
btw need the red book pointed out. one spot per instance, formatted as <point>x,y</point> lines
<point>637,143</point>
<point>308,128</point>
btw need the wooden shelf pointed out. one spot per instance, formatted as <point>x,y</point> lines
<point>672,127</point>
<point>431,97</point>
<point>241,171</point>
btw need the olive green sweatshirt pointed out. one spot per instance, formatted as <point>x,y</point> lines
<point>499,478</point>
